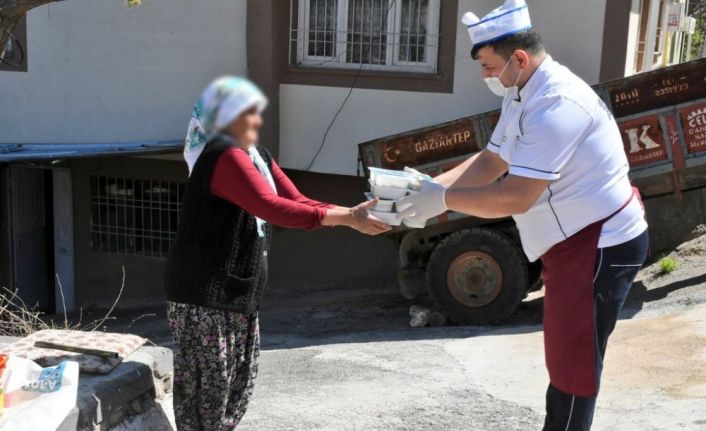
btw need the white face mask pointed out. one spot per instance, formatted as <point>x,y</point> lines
<point>497,87</point>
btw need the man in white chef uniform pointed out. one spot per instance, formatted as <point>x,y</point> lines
<point>566,187</point>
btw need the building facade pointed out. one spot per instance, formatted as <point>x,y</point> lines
<point>107,92</point>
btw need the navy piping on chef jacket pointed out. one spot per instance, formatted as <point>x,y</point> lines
<point>549,201</point>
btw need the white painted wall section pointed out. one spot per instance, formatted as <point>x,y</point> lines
<point>572,31</point>
<point>102,72</point>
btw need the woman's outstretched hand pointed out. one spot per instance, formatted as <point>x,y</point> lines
<point>357,218</point>
<point>365,222</point>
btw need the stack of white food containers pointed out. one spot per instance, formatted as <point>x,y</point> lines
<point>390,186</point>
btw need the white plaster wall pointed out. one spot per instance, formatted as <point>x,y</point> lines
<point>572,32</point>
<point>102,72</point>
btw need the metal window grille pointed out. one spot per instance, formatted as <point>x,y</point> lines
<point>400,35</point>
<point>134,216</point>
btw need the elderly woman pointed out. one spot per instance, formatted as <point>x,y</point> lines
<point>217,269</point>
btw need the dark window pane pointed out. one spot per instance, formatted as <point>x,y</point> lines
<point>413,31</point>
<point>366,40</point>
<point>323,18</point>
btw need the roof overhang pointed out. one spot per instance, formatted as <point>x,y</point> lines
<point>49,152</point>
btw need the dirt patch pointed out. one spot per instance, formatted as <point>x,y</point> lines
<point>667,352</point>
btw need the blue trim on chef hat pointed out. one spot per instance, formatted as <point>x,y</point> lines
<point>503,36</point>
<point>497,16</point>
<point>511,18</point>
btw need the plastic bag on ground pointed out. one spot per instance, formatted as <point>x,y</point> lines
<point>38,398</point>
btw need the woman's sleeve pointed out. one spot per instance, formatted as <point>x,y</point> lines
<point>287,189</point>
<point>236,180</point>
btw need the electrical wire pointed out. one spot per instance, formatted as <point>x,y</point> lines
<point>350,91</point>
<point>22,53</point>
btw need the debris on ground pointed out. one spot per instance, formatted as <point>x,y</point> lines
<point>419,316</point>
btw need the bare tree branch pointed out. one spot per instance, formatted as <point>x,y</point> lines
<point>19,7</point>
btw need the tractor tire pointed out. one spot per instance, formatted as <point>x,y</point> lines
<point>412,283</point>
<point>534,274</point>
<point>477,276</point>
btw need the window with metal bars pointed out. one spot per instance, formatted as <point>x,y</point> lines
<point>395,35</point>
<point>134,216</point>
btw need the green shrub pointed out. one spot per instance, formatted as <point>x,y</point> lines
<point>667,265</point>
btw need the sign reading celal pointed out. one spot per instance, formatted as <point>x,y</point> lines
<point>693,120</point>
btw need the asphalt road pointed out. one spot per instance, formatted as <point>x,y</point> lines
<point>344,358</point>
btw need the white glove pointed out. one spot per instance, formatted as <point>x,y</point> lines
<point>417,178</point>
<point>415,223</point>
<point>429,202</point>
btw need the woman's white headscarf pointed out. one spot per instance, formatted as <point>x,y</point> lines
<point>219,105</point>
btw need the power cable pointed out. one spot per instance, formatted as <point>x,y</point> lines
<point>350,91</point>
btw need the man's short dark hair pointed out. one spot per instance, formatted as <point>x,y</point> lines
<point>528,40</point>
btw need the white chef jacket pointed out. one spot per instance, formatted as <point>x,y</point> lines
<point>557,128</point>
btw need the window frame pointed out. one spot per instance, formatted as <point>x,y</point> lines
<point>281,42</point>
<point>392,63</point>
<point>20,32</point>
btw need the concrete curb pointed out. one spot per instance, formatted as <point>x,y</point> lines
<point>131,388</point>
<point>106,400</point>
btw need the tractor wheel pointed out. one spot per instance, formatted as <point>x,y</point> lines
<point>477,276</point>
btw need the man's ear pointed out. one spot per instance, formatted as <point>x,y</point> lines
<point>522,57</point>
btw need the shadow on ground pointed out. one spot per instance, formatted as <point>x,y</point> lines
<point>365,312</point>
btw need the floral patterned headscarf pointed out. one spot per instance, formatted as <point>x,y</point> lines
<point>219,105</point>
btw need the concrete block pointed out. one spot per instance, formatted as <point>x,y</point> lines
<point>159,359</point>
<point>104,400</point>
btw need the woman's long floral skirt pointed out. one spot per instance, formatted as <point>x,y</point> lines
<point>215,365</point>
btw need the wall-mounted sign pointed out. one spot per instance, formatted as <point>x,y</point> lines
<point>693,122</point>
<point>688,25</point>
<point>643,140</point>
<point>675,13</point>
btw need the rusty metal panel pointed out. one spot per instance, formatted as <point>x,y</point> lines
<point>493,118</point>
<point>693,177</point>
<point>693,122</point>
<point>423,146</point>
<point>655,185</point>
<point>657,89</point>
<point>485,124</point>
<point>643,140</point>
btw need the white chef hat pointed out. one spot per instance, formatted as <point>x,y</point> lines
<point>510,18</point>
